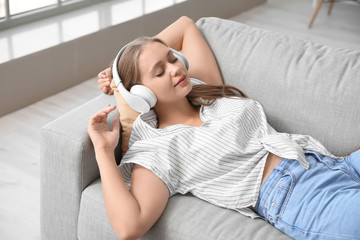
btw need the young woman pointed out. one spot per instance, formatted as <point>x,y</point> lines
<point>206,140</point>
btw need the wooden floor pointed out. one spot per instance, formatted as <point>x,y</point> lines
<point>19,131</point>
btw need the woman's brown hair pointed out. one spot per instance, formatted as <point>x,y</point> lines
<point>201,94</point>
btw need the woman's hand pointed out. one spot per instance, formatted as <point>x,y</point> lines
<point>104,81</point>
<point>102,138</point>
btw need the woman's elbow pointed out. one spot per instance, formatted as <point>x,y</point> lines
<point>127,232</point>
<point>186,19</point>
<point>127,236</point>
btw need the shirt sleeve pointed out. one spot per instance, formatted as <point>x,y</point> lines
<point>149,159</point>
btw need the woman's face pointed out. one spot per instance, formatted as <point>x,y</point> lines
<point>163,73</point>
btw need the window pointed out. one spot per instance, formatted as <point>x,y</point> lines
<point>15,12</point>
<point>36,36</point>
<point>20,6</point>
<point>2,9</point>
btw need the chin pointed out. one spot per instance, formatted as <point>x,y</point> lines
<point>188,89</point>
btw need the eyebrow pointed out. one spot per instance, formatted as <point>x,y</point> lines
<point>156,65</point>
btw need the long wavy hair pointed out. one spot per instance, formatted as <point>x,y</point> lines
<point>202,94</point>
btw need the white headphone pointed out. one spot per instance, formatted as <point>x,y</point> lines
<point>139,98</point>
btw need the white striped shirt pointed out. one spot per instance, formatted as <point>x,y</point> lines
<point>222,161</point>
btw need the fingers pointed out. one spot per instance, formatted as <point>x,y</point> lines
<point>104,81</point>
<point>105,111</point>
<point>98,123</point>
<point>102,114</point>
<point>102,74</point>
<point>105,89</point>
<point>108,90</point>
<point>97,118</point>
<point>116,125</point>
<point>105,73</point>
<point>109,108</point>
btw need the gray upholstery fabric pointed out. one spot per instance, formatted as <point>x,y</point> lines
<point>68,165</point>
<point>185,217</point>
<point>304,87</point>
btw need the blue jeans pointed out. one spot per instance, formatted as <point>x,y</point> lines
<point>320,203</point>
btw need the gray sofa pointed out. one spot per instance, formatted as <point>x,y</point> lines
<point>304,87</point>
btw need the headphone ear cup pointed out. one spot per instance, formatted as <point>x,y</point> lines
<point>181,57</point>
<point>144,93</point>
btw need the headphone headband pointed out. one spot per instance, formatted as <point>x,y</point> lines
<point>115,70</point>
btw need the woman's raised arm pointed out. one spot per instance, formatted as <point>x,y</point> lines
<point>184,35</point>
<point>130,213</point>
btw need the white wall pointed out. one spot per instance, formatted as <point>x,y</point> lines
<point>33,77</point>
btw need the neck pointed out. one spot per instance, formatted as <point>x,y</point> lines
<point>181,112</point>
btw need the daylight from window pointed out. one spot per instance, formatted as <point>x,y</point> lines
<point>2,9</point>
<point>22,6</point>
<point>42,35</point>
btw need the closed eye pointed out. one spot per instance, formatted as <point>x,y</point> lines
<point>161,73</point>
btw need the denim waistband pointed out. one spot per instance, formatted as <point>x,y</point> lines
<point>273,184</point>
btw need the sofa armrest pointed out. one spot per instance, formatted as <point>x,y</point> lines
<point>68,166</point>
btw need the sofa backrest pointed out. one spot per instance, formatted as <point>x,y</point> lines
<point>304,87</point>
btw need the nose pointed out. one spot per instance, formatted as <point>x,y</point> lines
<point>175,69</point>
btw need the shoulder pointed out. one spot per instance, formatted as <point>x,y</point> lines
<point>230,103</point>
<point>231,106</point>
<point>144,127</point>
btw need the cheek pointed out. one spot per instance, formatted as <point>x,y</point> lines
<point>171,94</point>
<point>155,87</point>
<point>163,92</point>
<point>158,88</point>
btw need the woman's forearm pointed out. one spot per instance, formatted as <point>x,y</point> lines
<point>122,209</point>
<point>184,35</point>
<point>173,35</point>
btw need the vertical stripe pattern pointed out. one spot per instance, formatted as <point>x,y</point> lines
<point>222,161</point>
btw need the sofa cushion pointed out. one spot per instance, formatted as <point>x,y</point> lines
<point>305,88</point>
<point>92,221</point>
<point>185,217</point>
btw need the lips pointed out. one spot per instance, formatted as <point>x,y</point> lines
<point>181,80</point>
